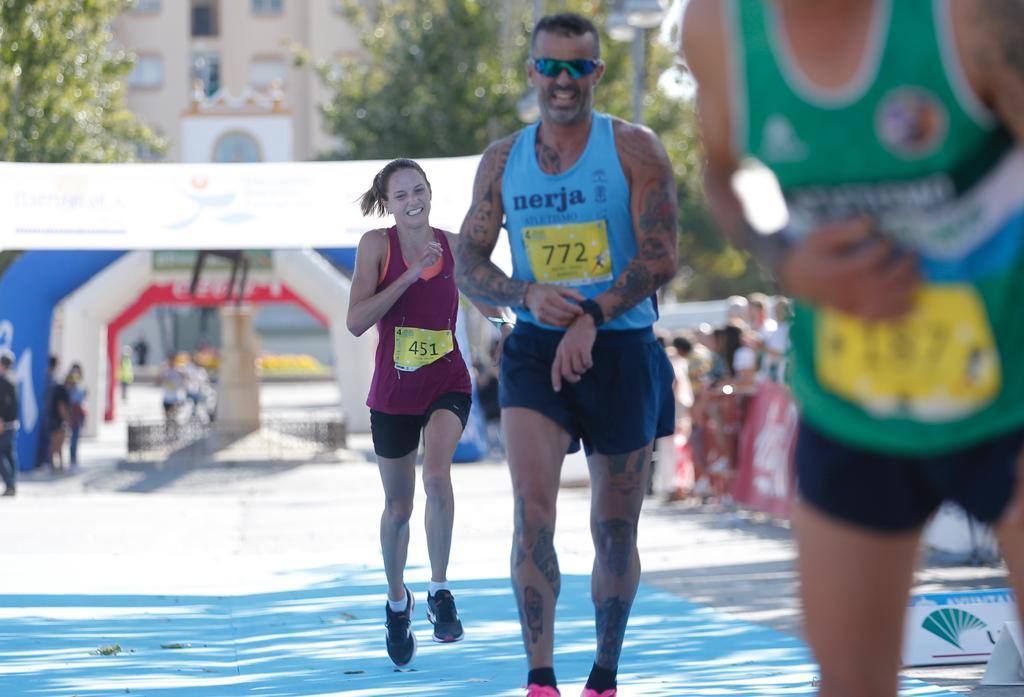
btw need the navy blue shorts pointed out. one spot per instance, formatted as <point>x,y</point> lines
<point>892,493</point>
<point>620,405</point>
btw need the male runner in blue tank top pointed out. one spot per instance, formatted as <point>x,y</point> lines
<point>589,202</point>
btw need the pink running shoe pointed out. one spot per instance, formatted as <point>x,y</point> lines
<point>541,691</point>
<point>587,692</point>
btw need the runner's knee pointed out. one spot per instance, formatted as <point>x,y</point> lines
<point>398,510</point>
<point>615,543</point>
<point>531,518</point>
<point>437,483</point>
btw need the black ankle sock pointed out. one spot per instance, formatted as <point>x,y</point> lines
<point>542,676</point>
<point>601,679</point>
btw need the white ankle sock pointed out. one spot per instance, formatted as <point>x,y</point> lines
<point>433,587</point>
<point>398,605</point>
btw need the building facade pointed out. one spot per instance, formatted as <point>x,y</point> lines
<point>216,77</point>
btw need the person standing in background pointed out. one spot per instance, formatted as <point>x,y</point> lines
<point>8,424</point>
<point>76,420</point>
<point>126,372</point>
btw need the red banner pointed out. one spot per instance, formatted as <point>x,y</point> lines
<point>764,476</point>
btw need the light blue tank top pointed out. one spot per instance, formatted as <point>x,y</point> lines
<point>574,228</point>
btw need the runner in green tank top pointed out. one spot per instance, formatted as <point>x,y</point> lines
<point>893,128</point>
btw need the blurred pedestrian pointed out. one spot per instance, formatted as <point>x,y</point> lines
<point>125,372</point>
<point>77,394</point>
<point>8,423</point>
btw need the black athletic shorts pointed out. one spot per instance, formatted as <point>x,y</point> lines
<point>397,435</point>
<point>892,493</point>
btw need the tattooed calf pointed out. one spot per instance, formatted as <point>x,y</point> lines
<point>612,616</point>
<point>533,609</point>
<point>546,560</point>
<point>615,544</point>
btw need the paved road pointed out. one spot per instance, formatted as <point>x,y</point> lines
<point>244,571</point>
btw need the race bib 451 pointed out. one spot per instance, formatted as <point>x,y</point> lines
<point>572,254</point>
<point>415,348</point>
<point>939,363</point>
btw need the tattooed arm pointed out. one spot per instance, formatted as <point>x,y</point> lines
<point>477,276</point>
<point>652,191</point>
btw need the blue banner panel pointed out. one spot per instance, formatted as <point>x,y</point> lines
<point>29,290</point>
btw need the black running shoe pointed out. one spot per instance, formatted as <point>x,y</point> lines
<point>400,639</point>
<point>442,614</point>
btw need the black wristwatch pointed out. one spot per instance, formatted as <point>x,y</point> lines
<point>594,310</point>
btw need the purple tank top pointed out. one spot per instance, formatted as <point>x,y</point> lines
<point>431,304</point>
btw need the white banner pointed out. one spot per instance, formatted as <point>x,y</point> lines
<point>207,206</point>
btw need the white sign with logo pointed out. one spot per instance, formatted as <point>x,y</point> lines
<point>961,627</point>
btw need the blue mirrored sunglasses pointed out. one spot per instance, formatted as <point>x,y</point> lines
<point>552,67</point>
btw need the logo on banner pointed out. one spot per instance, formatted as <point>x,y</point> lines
<point>215,204</point>
<point>949,624</point>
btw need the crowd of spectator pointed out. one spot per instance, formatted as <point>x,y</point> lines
<point>718,369</point>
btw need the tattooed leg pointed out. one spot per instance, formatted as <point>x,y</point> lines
<point>535,452</point>
<point>618,484</point>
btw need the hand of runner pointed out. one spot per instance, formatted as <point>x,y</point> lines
<point>847,266</point>
<point>431,253</point>
<point>573,355</point>
<point>553,304</point>
<point>499,345</point>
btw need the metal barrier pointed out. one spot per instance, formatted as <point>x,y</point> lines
<point>323,433</point>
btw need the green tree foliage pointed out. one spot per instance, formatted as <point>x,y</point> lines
<point>443,77</point>
<point>436,81</point>
<point>62,84</point>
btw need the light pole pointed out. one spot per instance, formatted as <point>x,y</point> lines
<point>528,108</point>
<point>631,20</point>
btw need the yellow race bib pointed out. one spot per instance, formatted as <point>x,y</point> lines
<point>415,348</point>
<point>573,254</point>
<point>937,364</point>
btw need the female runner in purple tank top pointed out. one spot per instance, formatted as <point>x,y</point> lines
<point>404,283</point>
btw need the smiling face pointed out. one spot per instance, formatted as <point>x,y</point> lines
<point>409,197</point>
<point>563,99</point>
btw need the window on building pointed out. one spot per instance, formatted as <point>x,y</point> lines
<point>267,7</point>
<point>206,69</point>
<point>146,7</point>
<point>236,147</point>
<point>205,21</point>
<point>147,73</point>
<point>264,70</point>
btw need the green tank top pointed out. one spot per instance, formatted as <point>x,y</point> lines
<point>908,144</point>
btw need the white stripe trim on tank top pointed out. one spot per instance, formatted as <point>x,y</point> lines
<point>857,86</point>
<point>953,67</point>
<point>735,58</point>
